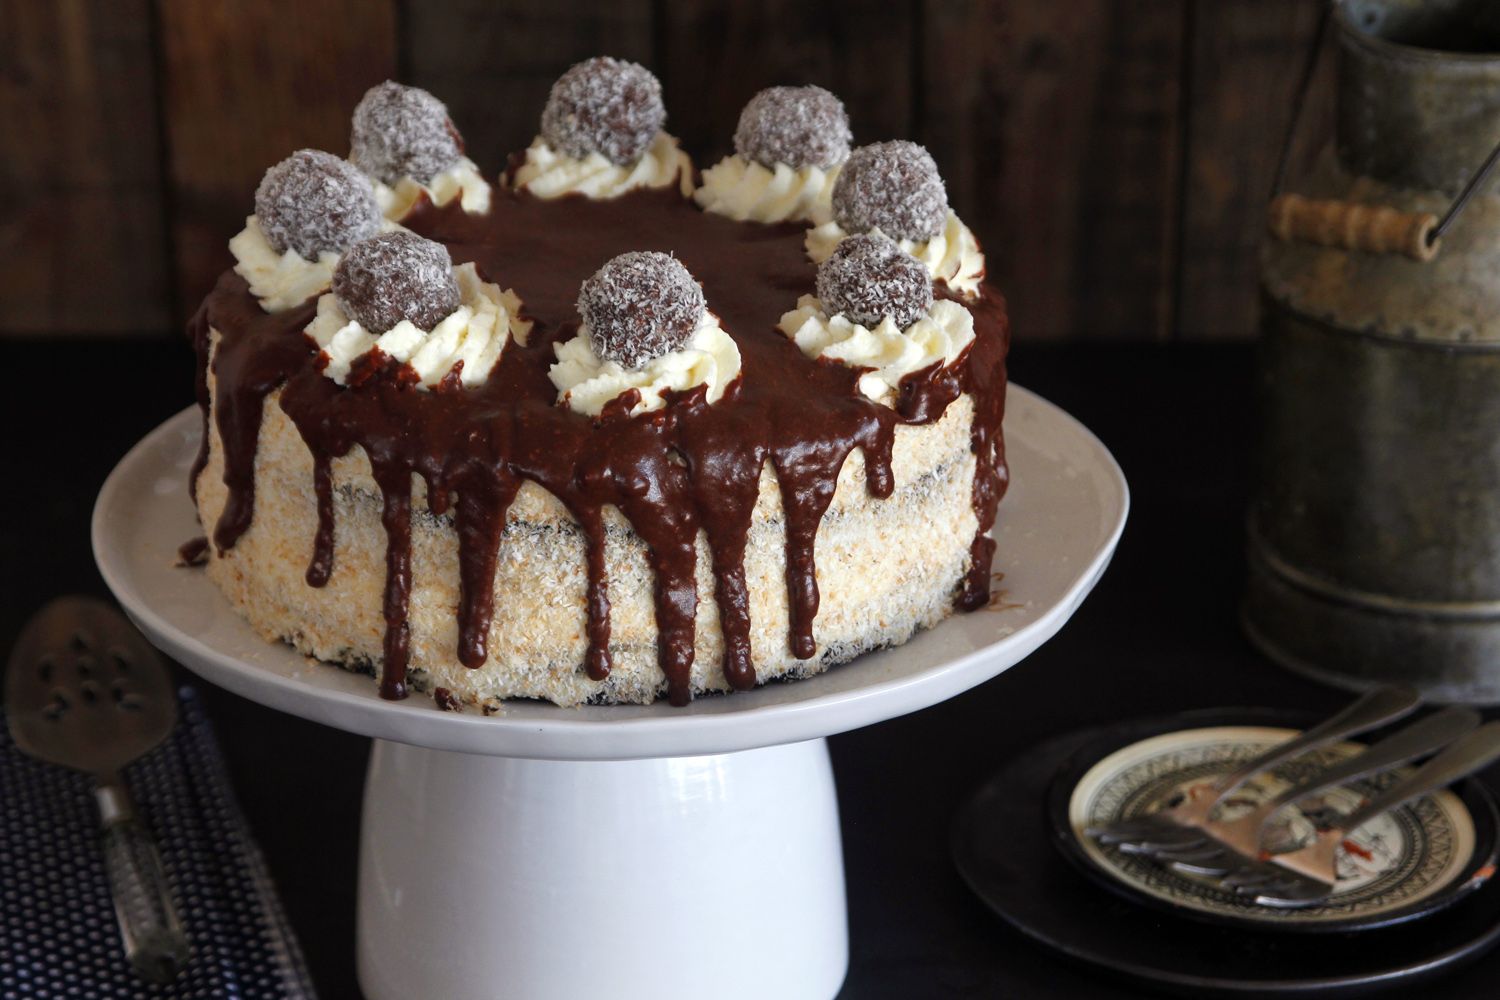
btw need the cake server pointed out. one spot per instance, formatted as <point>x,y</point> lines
<point>1179,823</point>
<point>85,690</point>
<point>1309,874</point>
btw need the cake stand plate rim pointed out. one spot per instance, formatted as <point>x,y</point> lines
<point>191,621</point>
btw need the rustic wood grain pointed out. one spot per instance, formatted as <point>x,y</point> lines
<point>493,63</point>
<point>1246,60</point>
<point>81,227</point>
<point>713,57</point>
<point>965,106</point>
<point>244,84</point>
<point>1058,127</point>
<point>1114,156</point>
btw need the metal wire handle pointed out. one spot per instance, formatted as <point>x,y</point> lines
<point>1357,227</point>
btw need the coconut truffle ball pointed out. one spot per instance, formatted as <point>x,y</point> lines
<point>640,306</point>
<point>798,126</point>
<point>605,106</point>
<point>313,202</point>
<point>401,131</point>
<point>868,277</point>
<point>894,187</point>
<point>393,277</point>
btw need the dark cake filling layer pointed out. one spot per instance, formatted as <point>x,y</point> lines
<point>688,467</point>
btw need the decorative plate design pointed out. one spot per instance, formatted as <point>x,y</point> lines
<point>1390,869</point>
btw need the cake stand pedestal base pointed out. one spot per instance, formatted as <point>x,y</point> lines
<point>615,851</point>
<point>683,877</point>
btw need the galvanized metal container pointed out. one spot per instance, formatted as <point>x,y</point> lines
<point>1374,532</point>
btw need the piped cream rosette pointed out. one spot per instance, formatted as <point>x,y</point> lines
<point>952,256</point>
<point>747,191</point>
<point>462,181</point>
<point>474,335</point>
<point>281,281</point>
<point>547,173</point>
<point>587,383</point>
<point>889,352</point>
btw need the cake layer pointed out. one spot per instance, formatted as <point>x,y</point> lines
<point>885,567</point>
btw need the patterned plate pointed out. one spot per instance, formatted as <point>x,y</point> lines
<point>1399,866</point>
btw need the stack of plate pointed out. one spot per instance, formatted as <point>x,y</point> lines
<point>1414,897</point>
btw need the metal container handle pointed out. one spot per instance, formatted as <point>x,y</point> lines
<point>1351,225</point>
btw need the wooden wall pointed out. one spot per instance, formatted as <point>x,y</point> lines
<point>1113,155</point>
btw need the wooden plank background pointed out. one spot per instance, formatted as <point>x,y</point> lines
<point>1114,156</point>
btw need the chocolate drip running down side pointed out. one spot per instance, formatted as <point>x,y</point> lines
<point>198,333</point>
<point>321,567</point>
<point>686,468</point>
<point>193,552</point>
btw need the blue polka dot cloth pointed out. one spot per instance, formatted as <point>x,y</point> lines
<point>58,935</point>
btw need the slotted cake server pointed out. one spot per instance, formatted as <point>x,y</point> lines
<point>84,690</point>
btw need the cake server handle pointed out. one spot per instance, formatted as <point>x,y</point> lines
<point>153,937</point>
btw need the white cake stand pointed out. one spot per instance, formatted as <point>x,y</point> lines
<point>621,852</point>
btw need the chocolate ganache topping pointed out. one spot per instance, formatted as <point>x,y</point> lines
<point>685,468</point>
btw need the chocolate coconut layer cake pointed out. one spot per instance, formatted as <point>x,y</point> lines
<point>598,432</point>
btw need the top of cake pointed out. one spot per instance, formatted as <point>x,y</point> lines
<point>593,328</point>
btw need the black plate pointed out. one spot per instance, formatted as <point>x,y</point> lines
<point>1002,842</point>
<point>1475,797</point>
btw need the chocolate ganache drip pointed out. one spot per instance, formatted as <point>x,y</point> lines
<point>672,473</point>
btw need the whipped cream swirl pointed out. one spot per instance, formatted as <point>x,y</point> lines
<point>745,190</point>
<point>587,382</point>
<point>889,352</point>
<point>281,280</point>
<point>548,173</point>
<point>462,181</point>
<point>473,335</point>
<point>953,255</point>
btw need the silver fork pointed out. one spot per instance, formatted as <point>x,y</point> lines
<point>1309,874</point>
<point>1179,823</point>
<point>1224,846</point>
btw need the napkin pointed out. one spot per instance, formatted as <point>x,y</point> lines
<point>58,935</point>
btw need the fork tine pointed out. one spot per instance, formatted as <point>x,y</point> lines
<point>1136,828</point>
<point>1157,839</point>
<point>1145,850</point>
<point>1306,892</point>
<point>1284,888</point>
<point>1114,834</point>
<point>1252,880</point>
<point>1202,851</point>
<point>1211,867</point>
<point>1168,852</point>
<point>1155,845</point>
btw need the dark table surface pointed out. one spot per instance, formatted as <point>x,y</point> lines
<point>1159,635</point>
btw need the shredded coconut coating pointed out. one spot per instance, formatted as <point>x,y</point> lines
<point>393,277</point>
<point>640,306</point>
<point>798,126</point>
<point>401,131</point>
<point>313,202</point>
<point>894,187</point>
<point>868,277</point>
<point>605,106</point>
